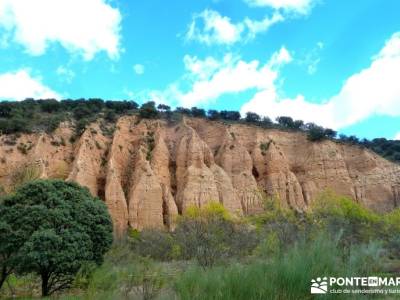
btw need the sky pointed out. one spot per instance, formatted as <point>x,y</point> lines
<point>332,62</point>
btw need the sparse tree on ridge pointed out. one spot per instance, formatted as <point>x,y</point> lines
<point>148,110</point>
<point>252,117</point>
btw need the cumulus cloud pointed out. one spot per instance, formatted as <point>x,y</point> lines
<point>207,79</point>
<point>138,69</point>
<point>397,136</point>
<point>372,91</point>
<point>84,27</point>
<point>211,78</point>
<point>21,84</point>
<point>209,27</point>
<point>298,6</point>
<point>216,29</point>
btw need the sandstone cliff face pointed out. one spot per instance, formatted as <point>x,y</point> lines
<point>149,171</point>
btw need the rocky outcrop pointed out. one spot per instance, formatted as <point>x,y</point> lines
<point>149,171</point>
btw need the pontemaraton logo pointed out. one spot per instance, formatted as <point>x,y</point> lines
<point>356,285</point>
<point>319,285</point>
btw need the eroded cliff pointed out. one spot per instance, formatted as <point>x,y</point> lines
<point>149,171</point>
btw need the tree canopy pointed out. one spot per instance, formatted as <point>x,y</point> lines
<point>51,228</point>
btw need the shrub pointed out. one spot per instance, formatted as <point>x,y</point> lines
<point>230,115</point>
<point>339,214</point>
<point>143,279</point>
<point>163,107</point>
<point>285,122</point>
<point>285,275</point>
<point>148,110</point>
<point>157,244</point>
<point>281,226</point>
<point>213,114</point>
<point>24,174</point>
<point>315,133</point>
<point>60,170</point>
<point>252,117</point>
<point>198,112</point>
<point>210,234</point>
<point>264,147</point>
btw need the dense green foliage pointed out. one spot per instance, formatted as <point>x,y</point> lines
<point>45,115</point>
<point>387,148</point>
<point>51,228</point>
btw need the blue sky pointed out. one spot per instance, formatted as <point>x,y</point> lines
<point>333,62</point>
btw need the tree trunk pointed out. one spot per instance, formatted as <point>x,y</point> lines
<point>4,275</point>
<point>45,284</point>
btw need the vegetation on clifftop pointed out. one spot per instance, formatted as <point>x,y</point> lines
<point>31,115</point>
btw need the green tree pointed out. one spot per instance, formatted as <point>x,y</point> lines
<point>148,110</point>
<point>230,115</point>
<point>163,107</point>
<point>9,244</point>
<point>213,114</point>
<point>252,117</point>
<point>285,122</point>
<point>198,112</point>
<point>315,133</point>
<point>53,227</point>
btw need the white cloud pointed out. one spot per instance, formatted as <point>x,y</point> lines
<point>20,85</point>
<point>397,136</point>
<point>298,6</point>
<point>65,73</point>
<point>84,27</point>
<point>254,27</point>
<point>139,69</point>
<point>374,90</point>
<point>216,29</point>
<point>209,27</point>
<point>211,78</point>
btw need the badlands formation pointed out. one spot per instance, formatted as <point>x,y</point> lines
<point>149,171</point>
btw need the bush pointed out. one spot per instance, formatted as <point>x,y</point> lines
<point>209,234</point>
<point>54,228</point>
<point>281,227</point>
<point>148,110</point>
<point>143,279</point>
<point>285,122</point>
<point>285,275</point>
<point>157,244</point>
<point>198,112</point>
<point>213,114</point>
<point>252,117</point>
<point>339,214</point>
<point>24,174</point>
<point>315,133</point>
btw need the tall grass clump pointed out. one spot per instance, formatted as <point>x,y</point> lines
<point>281,276</point>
